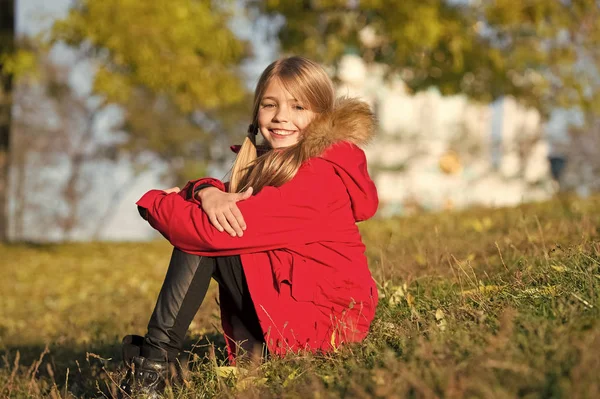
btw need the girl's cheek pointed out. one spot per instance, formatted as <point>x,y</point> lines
<point>306,120</point>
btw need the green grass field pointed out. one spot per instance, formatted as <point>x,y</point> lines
<point>483,304</point>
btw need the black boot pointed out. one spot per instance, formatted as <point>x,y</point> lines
<point>144,376</point>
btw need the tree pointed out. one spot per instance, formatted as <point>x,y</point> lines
<point>7,37</point>
<point>563,36</point>
<point>553,42</point>
<point>172,65</point>
<point>538,51</point>
<point>56,152</point>
<point>542,52</point>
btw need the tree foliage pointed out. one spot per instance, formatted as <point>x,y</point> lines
<point>554,43</point>
<point>540,51</point>
<point>180,48</point>
<point>172,65</point>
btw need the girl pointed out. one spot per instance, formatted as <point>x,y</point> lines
<point>280,238</point>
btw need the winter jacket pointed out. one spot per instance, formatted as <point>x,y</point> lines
<point>302,252</point>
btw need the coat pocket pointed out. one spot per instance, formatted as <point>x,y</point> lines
<point>303,280</point>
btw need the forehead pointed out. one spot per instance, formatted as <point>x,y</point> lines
<point>277,90</point>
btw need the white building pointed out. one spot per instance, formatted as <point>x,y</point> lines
<point>437,152</point>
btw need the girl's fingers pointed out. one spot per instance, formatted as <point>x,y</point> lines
<point>172,190</point>
<point>215,222</point>
<point>223,221</point>
<point>238,216</point>
<point>234,223</point>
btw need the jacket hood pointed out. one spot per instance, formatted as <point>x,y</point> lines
<point>351,120</point>
<point>336,137</point>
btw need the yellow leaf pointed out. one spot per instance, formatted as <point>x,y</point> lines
<point>410,300</point>
<point>397,296</point>
<point>537,291</point>
<point>247,382</point>
<point>291,377</point>
<point>439,314</point>
<point>441,319</point>
<point>227,371</point>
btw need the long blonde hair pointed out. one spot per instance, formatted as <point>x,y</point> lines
<point>309,83</point>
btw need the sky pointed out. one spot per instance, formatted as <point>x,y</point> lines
<point>33,16</point>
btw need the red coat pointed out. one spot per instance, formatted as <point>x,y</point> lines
<point>302,253</point>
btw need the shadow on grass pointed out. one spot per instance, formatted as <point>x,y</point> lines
<point>85,370</point>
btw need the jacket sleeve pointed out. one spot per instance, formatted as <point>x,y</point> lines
<point>276,217</point>
<point>190,190</point>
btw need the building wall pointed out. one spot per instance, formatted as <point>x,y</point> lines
<point>437,152</point>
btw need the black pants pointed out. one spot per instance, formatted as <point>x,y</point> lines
<point>182,293</point>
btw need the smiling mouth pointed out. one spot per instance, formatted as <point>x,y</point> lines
<point>281,132</point>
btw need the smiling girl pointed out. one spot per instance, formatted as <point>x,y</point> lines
<point>280,238</point>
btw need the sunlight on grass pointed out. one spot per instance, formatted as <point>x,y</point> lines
<point>481,303</point>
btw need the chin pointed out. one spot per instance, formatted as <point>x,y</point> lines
<point>279,145</point>
<point>274,143</point>
<point>283,145</point>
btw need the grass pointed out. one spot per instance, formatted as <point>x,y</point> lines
<point>483,303</point>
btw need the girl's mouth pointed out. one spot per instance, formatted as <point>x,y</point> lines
<point>281,133</point>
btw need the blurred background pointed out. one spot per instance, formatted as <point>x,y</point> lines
<point>480,102</point>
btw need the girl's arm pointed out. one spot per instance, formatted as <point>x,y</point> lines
<point>190,190</point>
<point>276,217</point>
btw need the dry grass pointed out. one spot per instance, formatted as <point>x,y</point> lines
<point>482,303</point>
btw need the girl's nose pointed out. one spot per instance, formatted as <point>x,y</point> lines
<point>282,114</point>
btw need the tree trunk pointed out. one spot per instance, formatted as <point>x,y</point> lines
<point>7,40</point>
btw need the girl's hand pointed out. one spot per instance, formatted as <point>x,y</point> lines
<point>221,209</point>
<point>172,190</point>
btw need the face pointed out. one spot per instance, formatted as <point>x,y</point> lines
<point>281,117</point>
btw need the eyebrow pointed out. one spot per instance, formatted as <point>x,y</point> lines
<point>275,99</point>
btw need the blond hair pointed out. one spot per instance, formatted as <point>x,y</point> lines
<point>309,83</point>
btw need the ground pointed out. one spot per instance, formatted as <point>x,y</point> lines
<point>482,303</point>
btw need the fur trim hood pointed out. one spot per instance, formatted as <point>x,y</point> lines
<point>336,137</point>
<point>350,120</point>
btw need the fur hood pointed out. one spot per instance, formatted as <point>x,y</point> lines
<point>336,137</point>
<point>350,120</point>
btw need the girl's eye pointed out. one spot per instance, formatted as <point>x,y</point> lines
<point>268,105</point>
<point>299,107</point>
